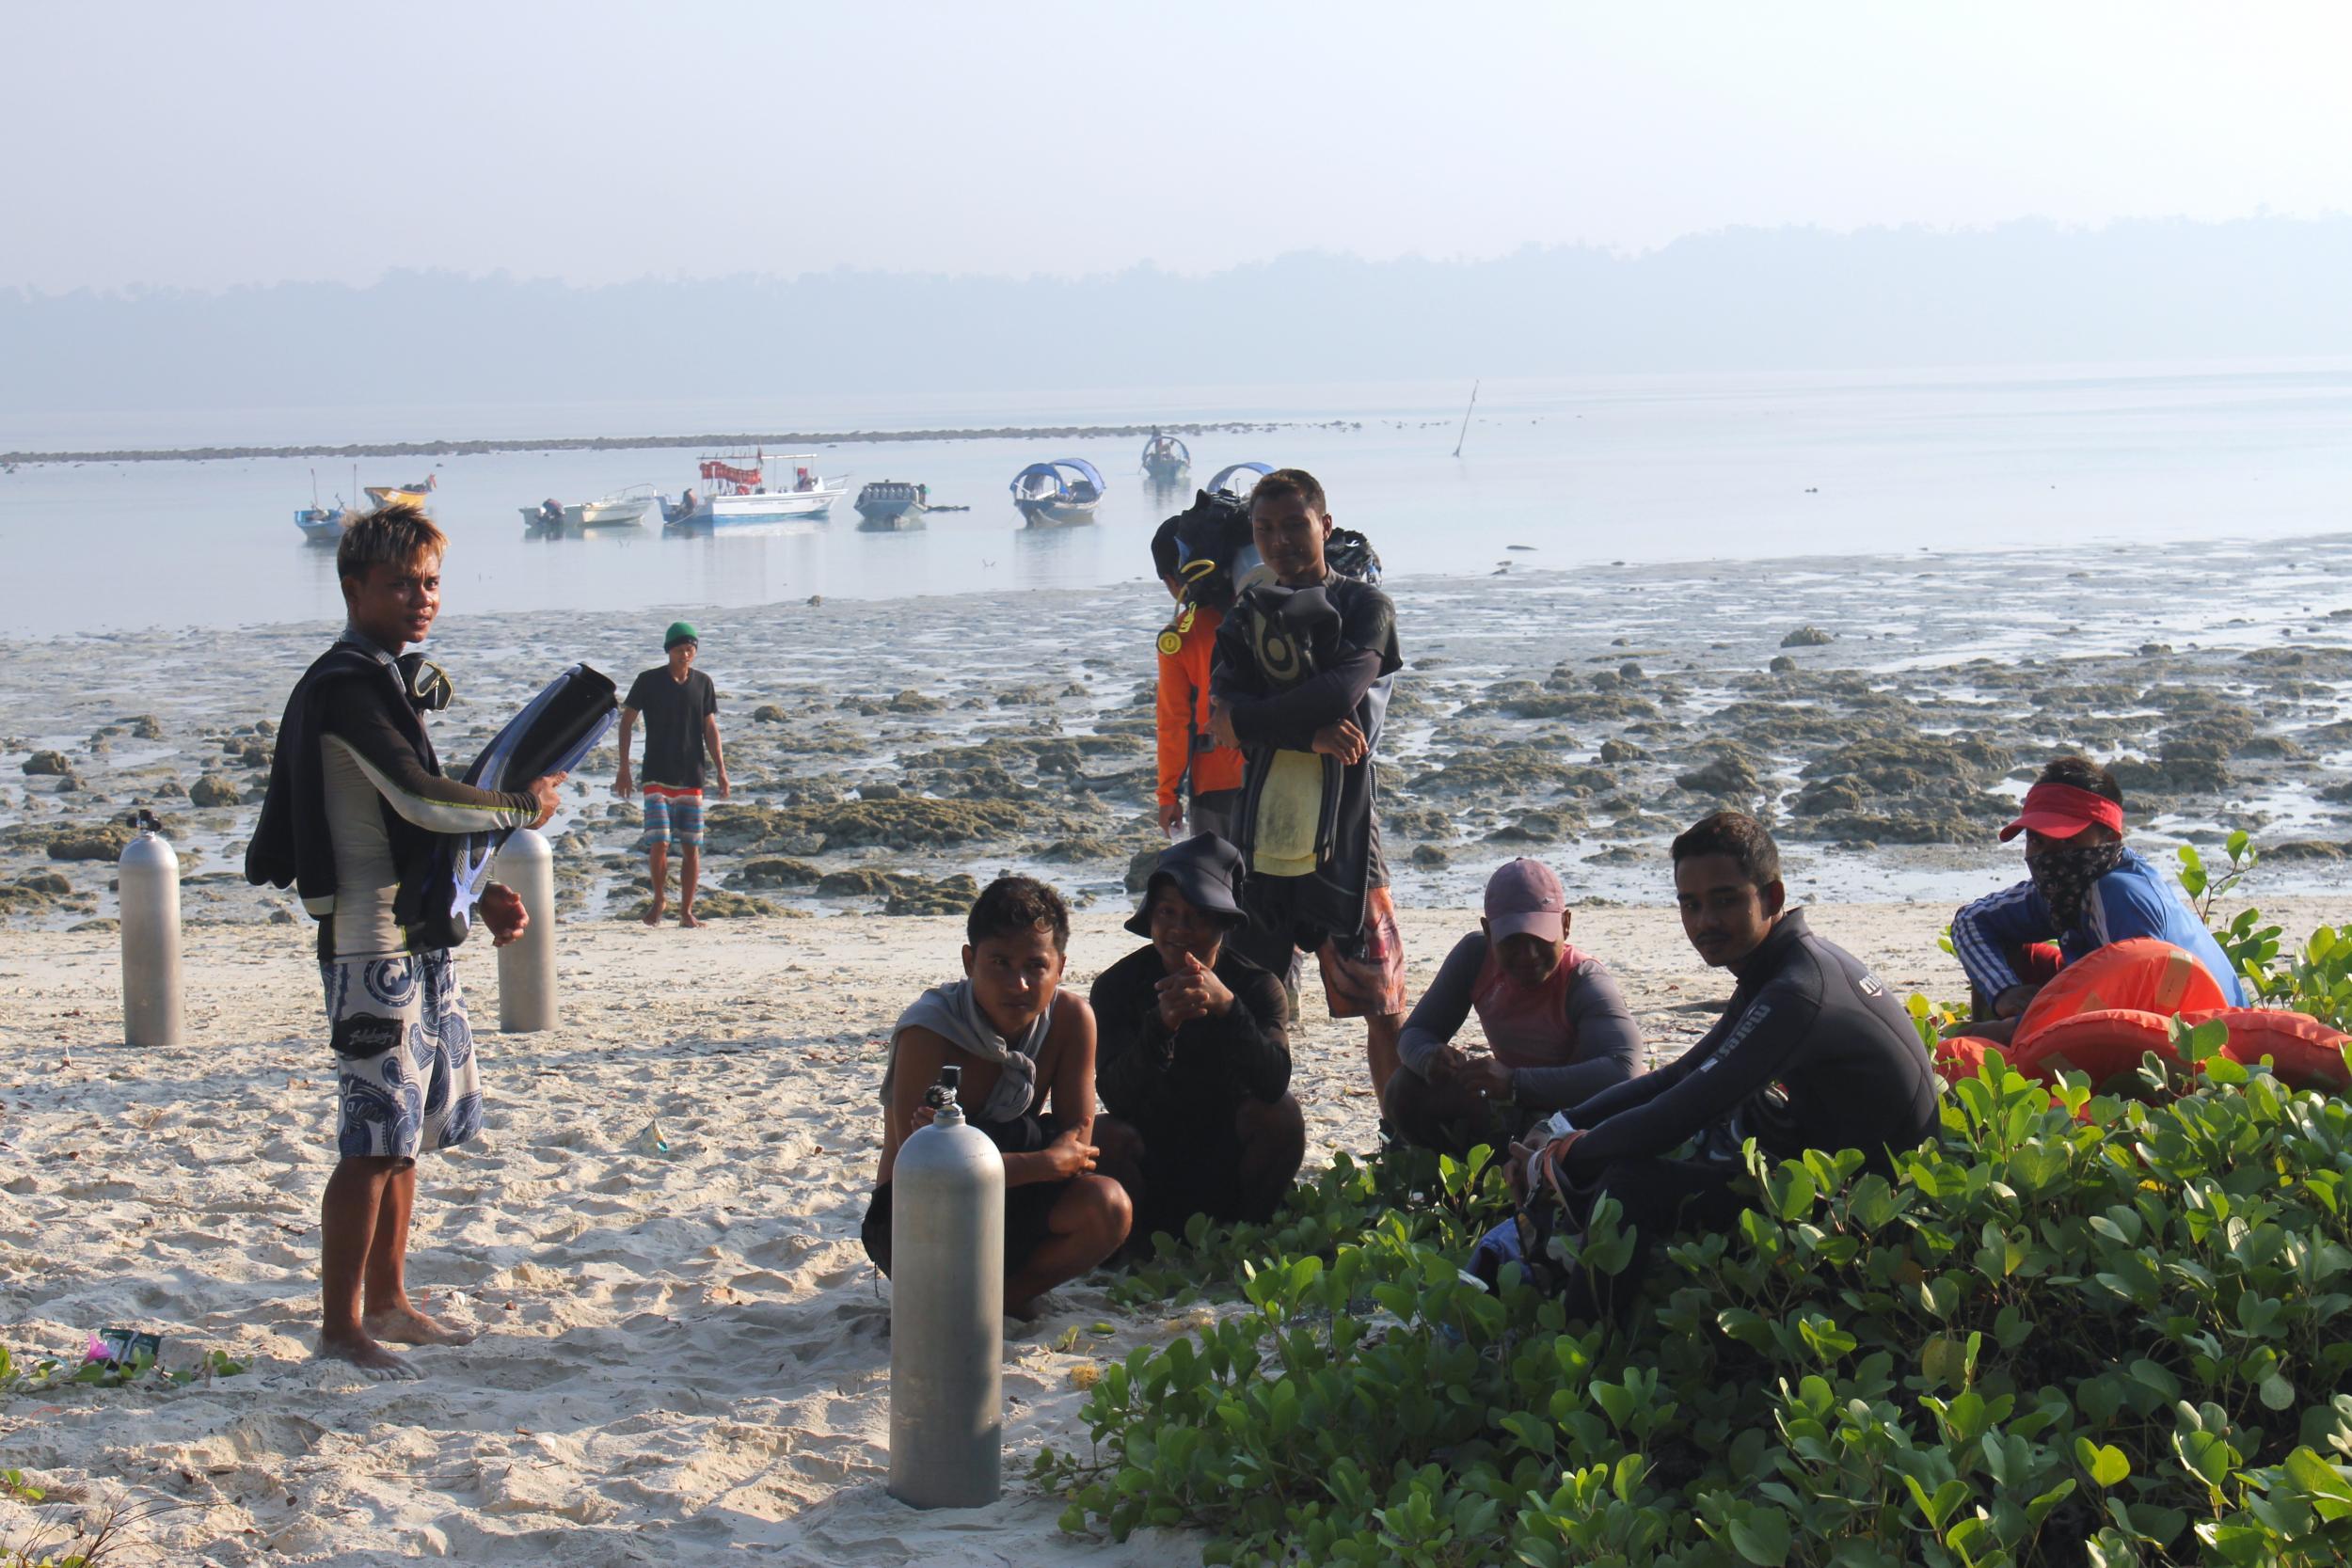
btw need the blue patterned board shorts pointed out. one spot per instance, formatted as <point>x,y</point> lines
<point>405,1052</point>
<point>673,817</point>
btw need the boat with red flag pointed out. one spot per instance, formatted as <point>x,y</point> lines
<point>752,488</point>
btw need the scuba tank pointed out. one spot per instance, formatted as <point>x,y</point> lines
<point>947,1312</point>
<point>526,862</point>
<point>146,884</point>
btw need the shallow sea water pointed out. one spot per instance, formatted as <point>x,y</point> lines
<point>1554,474</point>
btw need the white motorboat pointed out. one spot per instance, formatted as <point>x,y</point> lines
<point>623,508</point>
<point>737,488</point>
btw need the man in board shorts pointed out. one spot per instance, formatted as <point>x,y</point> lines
<point>681,711</point>
<point>357,802</point>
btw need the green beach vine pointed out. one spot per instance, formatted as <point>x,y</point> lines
<point>2070,1329</point>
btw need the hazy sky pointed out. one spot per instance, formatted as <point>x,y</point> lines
<point>207,145</point>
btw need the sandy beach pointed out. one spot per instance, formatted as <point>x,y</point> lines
<point>685,1353</point>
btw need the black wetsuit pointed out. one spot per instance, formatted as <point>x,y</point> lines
<point>1813,1052</point>
<point>1289,661</point>
<point>1181,1091</point>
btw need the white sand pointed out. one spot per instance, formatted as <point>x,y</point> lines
<point>685,1356</point>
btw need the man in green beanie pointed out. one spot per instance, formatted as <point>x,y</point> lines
<point>681,710</point>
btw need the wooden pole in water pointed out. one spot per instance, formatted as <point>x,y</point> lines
<point>1466,416</point>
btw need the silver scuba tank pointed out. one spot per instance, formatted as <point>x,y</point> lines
<point>947,1312</point>
<point>527,997</point>
<point>147,896</point>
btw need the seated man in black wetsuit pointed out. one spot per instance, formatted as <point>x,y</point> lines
<point>1021,1040</point>
<point>1193,1054</point>
<point>1812,1053</point>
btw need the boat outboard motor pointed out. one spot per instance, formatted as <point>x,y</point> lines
<point>147,882</point>
<point>947,1312</point>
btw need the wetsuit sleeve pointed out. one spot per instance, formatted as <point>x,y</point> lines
<point>1291,720</point>
<point>1755,1050</point>
<point>1178,702</point>
<point>358,722</point>
<point>1249,1046</point>
<point>1639,1090</point>
<point>1444,1006</point>
<point>1131,1052</point>
<point>1608,1046</point>
<point>1986,932</point>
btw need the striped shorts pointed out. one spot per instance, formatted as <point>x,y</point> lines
<point>673,815</point>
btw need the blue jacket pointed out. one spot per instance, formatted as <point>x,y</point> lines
<point>2132,901</point>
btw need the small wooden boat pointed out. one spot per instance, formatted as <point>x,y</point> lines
<point>325,525</point>
<point>383,495</point>
<point>623,508</point>
<point>321,524</point>
<point>892,505</point>
<point>1166,460</point>
<point>1058,494</point>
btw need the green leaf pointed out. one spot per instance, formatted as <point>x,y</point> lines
<point>2104,1461</point>
<point>2322,1483</point>
<point>1762,1537</point>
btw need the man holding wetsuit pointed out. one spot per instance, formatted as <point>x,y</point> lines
<point>357,802</point>
<point>1812,1053</point>
<point>1299,685</point>
<point>682,710</point>
<point>2083,890</point>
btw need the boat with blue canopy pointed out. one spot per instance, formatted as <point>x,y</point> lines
<point>1238,479</point>
<point>1058,494</point>
<point>1165,459</point>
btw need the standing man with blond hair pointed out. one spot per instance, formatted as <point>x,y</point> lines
<point>355,802</point>
<point>682,710</point>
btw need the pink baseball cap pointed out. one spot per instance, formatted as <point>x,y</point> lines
<point>1524,895</point>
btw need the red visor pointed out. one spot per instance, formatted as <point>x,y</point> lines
<point>2062,811</point>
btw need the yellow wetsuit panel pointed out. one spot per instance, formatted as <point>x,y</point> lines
<point>1290,809</point>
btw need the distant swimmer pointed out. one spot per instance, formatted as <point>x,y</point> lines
<point>680,706</point>
<point>357,801</point>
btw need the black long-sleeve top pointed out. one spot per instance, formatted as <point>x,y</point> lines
<point>1196,1076</point>
<point>1807,1015</point>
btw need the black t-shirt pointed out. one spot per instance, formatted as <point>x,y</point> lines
<point>673,712</point>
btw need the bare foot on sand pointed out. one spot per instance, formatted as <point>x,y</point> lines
<point>653,915</point>
<point>405,1325</point>
<point>365,1354</point>
<point>685,918</point>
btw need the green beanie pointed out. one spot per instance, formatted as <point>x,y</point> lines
<point>679,632</point>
